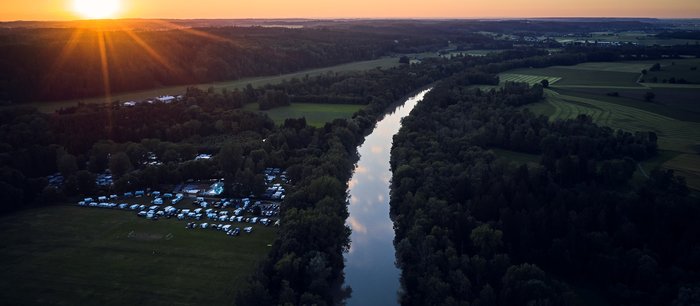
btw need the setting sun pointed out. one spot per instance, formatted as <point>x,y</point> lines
<point>97,9</point>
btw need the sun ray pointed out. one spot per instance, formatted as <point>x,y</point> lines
<point>104,64</point>
<point>66,51</point>
<point>172,26</point>
<point>153,53</point>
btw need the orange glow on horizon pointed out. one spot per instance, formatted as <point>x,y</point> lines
<point>180,9</point>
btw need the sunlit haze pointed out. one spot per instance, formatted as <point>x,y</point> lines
<point>87,9</point>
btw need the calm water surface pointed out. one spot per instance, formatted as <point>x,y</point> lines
<point>369,265</point>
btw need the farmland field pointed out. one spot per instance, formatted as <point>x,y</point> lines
<point>681,69</point>
<point>673,134</point>
<point>316,114</point>
<point>527,78</point>
<point>572,76</point>
<point>610,95</point>
<point>678,103</point>
<point>386,62</point>
<point>69,255</point>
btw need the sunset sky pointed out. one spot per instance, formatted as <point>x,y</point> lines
<point>63,9</point>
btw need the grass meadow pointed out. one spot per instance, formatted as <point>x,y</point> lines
<point>674,113</point>
<point>70,255</point>
<point>316,114</point>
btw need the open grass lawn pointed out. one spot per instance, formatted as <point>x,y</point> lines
<point>316,114</point>
<point>69,255</point>
<point>678,69</point>
<point>385,62</point>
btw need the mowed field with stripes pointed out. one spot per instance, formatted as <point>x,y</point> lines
<point>611,94</point>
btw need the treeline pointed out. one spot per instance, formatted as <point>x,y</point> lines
<point>634,52</point>
<point>679,35</point>
<point>53,64</point>
<point>474,228</point>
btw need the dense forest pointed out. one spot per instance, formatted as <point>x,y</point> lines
<point>475,228</point>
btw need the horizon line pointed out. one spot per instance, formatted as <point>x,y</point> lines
<point>355,18</point>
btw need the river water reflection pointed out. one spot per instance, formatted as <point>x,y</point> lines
<point>369,265</point>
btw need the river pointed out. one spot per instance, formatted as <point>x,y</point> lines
<point>369,265</point>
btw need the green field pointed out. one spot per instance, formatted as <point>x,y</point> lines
<point>674,135</point>
<point>69,255</point>
<point>677,103</point>
<point>572,76</point>
<point>385,62</point>
<point>674,113</point>
<point>680,69</point>
<point>527,78</point>
<point>316,114</point>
